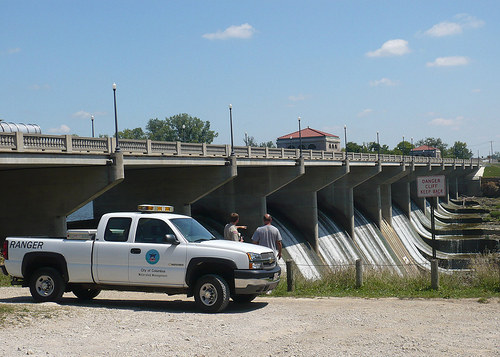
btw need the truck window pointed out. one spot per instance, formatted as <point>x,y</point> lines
<point>151,230</point>
<point>192,230</point>
<point>117,229</point>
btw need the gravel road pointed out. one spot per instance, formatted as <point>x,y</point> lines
<point>142,324</point>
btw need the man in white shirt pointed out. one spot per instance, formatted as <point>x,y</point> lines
<point>231,229</point>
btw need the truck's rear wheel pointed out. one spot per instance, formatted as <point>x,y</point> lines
<point>211,293</point>
<point>46,284</point>
<point>86,294</point>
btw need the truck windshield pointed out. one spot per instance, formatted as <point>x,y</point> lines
<point>192,230</point>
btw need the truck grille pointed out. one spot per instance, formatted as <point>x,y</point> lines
<point>269,261</point>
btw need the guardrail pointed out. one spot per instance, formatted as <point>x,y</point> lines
<point>34,143</point>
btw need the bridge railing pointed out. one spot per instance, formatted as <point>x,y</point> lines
<point>22,142</point>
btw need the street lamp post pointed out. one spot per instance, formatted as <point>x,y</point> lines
<point>231,123</point>
<point>117,148</point>
<point>92,119</point>
<point>412,154</point>
<point>345,137</point>
<point>300,139</point>
<point>403,148</point>
<point>378,147</point>
<point>183,132</point>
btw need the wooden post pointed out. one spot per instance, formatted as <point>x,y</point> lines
<point>359,273</point>
<point>434,274</point>
<point>289,275</point>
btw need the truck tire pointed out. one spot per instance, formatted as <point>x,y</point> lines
<point>86,294</point>
<point>46,284</point>
<point>211,293</point>
<point>244,298</point>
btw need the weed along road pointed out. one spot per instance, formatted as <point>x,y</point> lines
<point>140,324</point>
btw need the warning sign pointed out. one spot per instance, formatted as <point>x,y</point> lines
<point>431,186</point>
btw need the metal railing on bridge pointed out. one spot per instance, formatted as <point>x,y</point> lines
<point>36,143</point>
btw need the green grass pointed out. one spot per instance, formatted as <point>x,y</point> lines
<point>492,171</point>
<point>481,282</point>
<point>20,315</point>
<point>4,280</point>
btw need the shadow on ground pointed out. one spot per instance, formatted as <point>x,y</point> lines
<point>171,306</point>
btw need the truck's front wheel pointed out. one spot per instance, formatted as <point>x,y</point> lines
<point>211,293</point>
<point>46,284</point>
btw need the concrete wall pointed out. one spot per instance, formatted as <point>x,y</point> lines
<point>36,201</point>
<point>37,198</point>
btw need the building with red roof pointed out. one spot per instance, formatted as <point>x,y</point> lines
<point>312,139</point>
<point>425,150</point>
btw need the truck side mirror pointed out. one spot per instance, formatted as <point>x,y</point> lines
<point>171,239</point>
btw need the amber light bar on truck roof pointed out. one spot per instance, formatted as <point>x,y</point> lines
<point>155,208</point>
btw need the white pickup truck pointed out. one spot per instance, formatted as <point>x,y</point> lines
<point>149,250</point>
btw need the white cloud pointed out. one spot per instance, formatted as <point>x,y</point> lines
<point>244,31</point>
<point>453,124</point>
<point>447,28</point>
<point>391,48</point>
<point>476,90</point>
<point>12,51</point>
<point>444,28</point>
<point>469,21</point>
<point>63,129</point>
<point>82,115</point>
<point>296,98</point>
<point>39,87</point>
<point>384,82</point>
<point>449,61</point>
<point>86,115</point>
<point>365,112</point>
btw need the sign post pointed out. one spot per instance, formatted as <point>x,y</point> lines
<point>432,186</point>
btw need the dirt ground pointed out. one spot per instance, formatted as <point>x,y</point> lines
<point>141,324</point>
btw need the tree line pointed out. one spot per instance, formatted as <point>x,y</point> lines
<point>458,150</point>
<point>185,128</point>
<point>180,127</point>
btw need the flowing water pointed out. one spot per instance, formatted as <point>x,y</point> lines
<point>337,249</point>
<point>303,256</point>
<point>373,245</point>
<point>335,245</point>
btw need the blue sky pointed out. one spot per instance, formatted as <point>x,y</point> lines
<point>404,68</point>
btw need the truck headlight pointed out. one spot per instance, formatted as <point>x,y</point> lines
<point>254,261</point>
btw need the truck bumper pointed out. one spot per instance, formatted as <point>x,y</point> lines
<point>256,281</point>
<point>4,270</point>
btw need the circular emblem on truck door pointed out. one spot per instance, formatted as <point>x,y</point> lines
<point>152,256</point>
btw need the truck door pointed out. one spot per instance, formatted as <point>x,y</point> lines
<point>112,253</point>
<point>152,260</point>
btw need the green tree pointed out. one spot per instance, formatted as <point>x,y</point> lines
<point>181,127</point>
<point>459,150</point>
<point>135,134</point>
<point>353,147</point>
<point>249,141</point>
<point>268,144</point>
<point>402,148</point>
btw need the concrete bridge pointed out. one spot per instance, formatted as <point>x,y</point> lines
<point>46,177</point>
